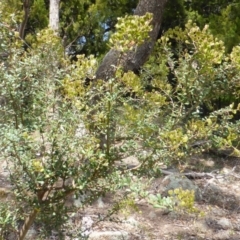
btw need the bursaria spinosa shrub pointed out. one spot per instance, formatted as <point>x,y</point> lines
<point>51,151</point>
<point>131,32</point>
<point>52,123</point>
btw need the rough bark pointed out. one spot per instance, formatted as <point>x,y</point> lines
<point>26,10</point>
<point>134,60</point>
<point>54,15</point>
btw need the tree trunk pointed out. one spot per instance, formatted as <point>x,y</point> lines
<point>54,15</point>
<point>26,11</point>
<point>133,60</point>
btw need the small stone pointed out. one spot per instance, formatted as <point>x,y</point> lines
<point>132,221</point>
<point>130,161</point>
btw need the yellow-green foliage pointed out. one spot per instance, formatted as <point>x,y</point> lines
<point>37,166</point>
<point>225,25</point>
<point>158,124</point>
<point>11,11</point>
<point>132,82</point>
<point>48,45</point>
<point>126,206</point>
<point>184,200</point>
<point>9,19</point>
<point>206,47</point>
<point>131,32</point>
<point>200,65</point>
<point>175,138</point>
<point>235,56</point>
<point>74,87</point>
<point>200,52</point>
<point>48,39</point>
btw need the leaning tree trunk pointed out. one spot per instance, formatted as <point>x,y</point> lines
<point>26,11</point>
<point>133,60</point>
<point>54,15</point>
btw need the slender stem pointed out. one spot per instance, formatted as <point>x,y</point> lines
<point>27,224</point>
<point>108,129</point>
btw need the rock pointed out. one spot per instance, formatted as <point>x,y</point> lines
<point>132,221</point>
<point>220,224</point>
<point>176,180</point>
<point>86,228</point>
<point>213,194</point>
<point>224,223</point>
<point>130,161</point>
<point>109,235</point>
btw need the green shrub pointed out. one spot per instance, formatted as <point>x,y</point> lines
<point>52,126</point>
<point>184,201</point>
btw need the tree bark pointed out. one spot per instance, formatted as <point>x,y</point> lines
<point>26,10</point>
<point>54,15</point>
<point>133,60</point>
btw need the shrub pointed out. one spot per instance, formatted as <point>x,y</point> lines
<point>61,137</point>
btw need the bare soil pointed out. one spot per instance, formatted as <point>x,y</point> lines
<point>220,202</point>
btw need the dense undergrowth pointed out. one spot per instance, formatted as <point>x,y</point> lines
<point>61,137</point>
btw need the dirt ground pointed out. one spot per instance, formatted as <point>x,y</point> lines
<point>220,202</point>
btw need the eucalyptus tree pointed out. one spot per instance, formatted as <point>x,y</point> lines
<point>54,15</point>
